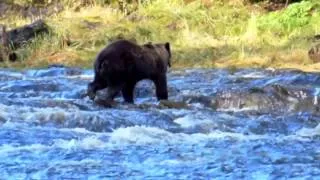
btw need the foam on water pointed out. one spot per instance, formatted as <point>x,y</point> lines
<point>141,135</point>
<point>82,77</point>
<point>191,121</point>
<point>309,132</point>
<point>251,75</point>
<point>316,96</point>
<point>7,148</point>
<point>236,109</point>
<point>90,142</point>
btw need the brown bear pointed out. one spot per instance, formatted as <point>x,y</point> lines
<point>123,63</point>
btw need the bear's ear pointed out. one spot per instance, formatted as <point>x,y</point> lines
<point>148,45</point>
<point>167,46</point>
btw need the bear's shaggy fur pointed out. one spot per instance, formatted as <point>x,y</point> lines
<point>122,64</point>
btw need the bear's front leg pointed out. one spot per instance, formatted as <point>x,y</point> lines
<point>161,87</point>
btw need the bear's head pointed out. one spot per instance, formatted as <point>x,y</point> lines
<point>91,90</point>
<point>93,87</point>
<point>163,50</point>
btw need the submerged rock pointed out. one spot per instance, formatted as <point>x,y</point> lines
<point>173,104</point>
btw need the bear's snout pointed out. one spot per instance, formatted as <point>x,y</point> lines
<point>91,91</point>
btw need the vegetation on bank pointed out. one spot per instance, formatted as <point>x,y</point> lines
<point>203,33</point>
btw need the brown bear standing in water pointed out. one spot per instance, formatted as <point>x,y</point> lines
<point>122,64</point>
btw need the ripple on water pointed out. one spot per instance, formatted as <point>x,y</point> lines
<point>243,124</point>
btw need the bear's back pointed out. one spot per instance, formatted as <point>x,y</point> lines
<point>114,53</point>
<point>119,47</point>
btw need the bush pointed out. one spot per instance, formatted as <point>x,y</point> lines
<point>294,17</point>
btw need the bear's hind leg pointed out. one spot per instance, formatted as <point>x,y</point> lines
<point>127,91</point>
<point>161,87</point>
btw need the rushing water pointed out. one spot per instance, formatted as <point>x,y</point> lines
<point>244,124</point>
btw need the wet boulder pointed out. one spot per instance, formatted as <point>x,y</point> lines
<point>19,36</point>
<point>269,99</point>
<point>206,101</point>
<point>173,104</point>
<point>15,38</point>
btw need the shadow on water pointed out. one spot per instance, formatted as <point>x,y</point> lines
<point>246,123</point>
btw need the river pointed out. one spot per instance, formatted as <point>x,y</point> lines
<point>217,124</point>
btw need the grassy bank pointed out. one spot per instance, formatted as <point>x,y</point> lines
<point>202,34</point>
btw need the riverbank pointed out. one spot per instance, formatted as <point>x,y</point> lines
<point>215,34</point>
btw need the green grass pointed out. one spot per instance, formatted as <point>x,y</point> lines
<point>203,33</point>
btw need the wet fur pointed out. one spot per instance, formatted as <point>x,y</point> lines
<point>123,63</point>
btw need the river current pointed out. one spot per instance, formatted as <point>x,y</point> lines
<point>217,124</point>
